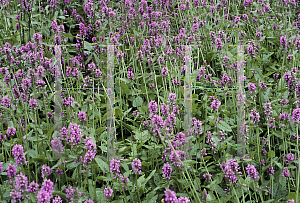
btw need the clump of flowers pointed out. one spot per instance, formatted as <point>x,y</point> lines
<point>252,172</point>
<point>91,151</point>
<point>46,171</point>
<point>18,153</point>
<point>167,171</point>
<point>57,144</point>
<point>115,166</point>
<point>108,192</point>
<point>75,135</point>
<point>232,169</point>
<point>136,165</point>
<point>286,173</point>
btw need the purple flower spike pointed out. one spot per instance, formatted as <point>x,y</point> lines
<point>136,165</point>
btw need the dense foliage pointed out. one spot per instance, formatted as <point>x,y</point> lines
<point>150,163</point>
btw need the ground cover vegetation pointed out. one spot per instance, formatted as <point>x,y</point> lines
<point>150,163</point>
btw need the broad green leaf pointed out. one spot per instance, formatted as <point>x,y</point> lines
<point>137,102</point>
<point>104,166</point>
<point>271,154</point>
<point>147,164</point>
<point>219,190</point>
<point>224,126</point>
<point>125,89</point>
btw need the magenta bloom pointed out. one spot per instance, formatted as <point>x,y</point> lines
<point>21,182</point>
<point>152,107</point>
<point>136,165</point>
<point>183,200</point>
<point>296,115</point>
<point>170,196</point>
<point>172,97</point>
<point>286,173</point>
<point>164,71</point>
<point>108,192</point>
<point>252,87</point>
<point>11,131</point>
<point>75,134</point>
<point>18,153</point>
<point>82,116</point>
<point>11,170</point>
<point>167,171</point>
<point>251,171</point>
<point>254,116</point>
<point>33,187</point>
<point>115,166</point>
<point>46,171</point>
<point>47,186</point>
<point>43,197</point>
<point>33,104</point>
<point>57,145</point>
<point>57,200</point>
<point>215,105</point>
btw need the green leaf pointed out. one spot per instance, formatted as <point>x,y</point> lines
<point>147,164</point>
<point>41,159</point>
<point>137,102</point>
<point>278,164</point>
<point>88,46</point>
<point>224,126</point>
<point>125,166</point>
<point>226,198</point>
<point>271,154</point>
<point>103,165</point>
<point>125,89</point>
<point>148,178</point>
<point>292,195</point>
<point>100,130</point>
<point>32,153</point>
<point>219,190</point>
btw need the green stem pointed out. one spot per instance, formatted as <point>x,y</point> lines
<point>137,188</point>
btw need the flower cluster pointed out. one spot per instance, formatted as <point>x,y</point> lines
<point>57,144</point>
<point>75,135</point>
<point>11,131</point>
<point>215,105</point>
<point>72,193</point>
<point>108,192</point>
<point>136,165</point>
<point>167,171</point>
<point>82,116</point>
<point>210,142</point>
<point>231,168</point>
<point>170,197</point>
<point>286,173</point>
<point>252,172</point>
<point>45,194</point>
<point>91,151</point>
<point>115,166</point>
<point>296,115</point>
<point>254,116</point>
<point>46,171</point>
<point>18,153</point>
<point>130,74</point>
